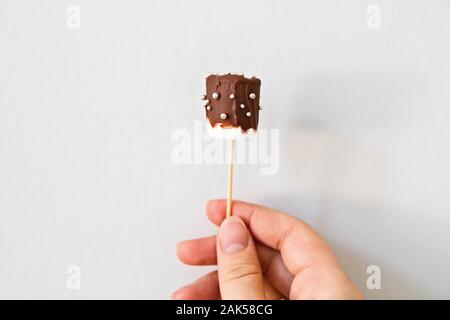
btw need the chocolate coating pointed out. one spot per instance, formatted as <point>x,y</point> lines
<point>230,92</point>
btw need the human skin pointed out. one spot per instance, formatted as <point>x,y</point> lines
<point>260,254</point>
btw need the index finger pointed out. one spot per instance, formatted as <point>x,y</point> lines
<point>300,246</point>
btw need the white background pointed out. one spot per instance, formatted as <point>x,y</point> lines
<point>86,116</point>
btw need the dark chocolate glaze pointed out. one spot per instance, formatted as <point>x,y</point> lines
<point>239,86</point>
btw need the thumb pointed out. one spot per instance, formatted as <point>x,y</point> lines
<point>240,276</point>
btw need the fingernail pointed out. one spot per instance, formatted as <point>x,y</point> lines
<point>233,237</point>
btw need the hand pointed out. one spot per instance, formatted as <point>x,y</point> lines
<point>263,254</point>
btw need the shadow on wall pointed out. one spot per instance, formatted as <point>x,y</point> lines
<point>334,158</point>
<point>394,284</point>
<point>353,101</point>
<point>335,141</point>
<point>355,240</point>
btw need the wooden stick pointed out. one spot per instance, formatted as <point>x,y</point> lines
<point>230,178</point>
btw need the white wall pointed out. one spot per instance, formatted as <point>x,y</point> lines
<point>86,117</point>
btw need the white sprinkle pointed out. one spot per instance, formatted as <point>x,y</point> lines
<point>208,108</point>
<point>252,96</point>
<point>231,96</point>
<point>248,114</point>
<point>206,101</point>
<point>242,106</point>
<point>223,116</point>
<point>204,97</point>
<point>215,95</point>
